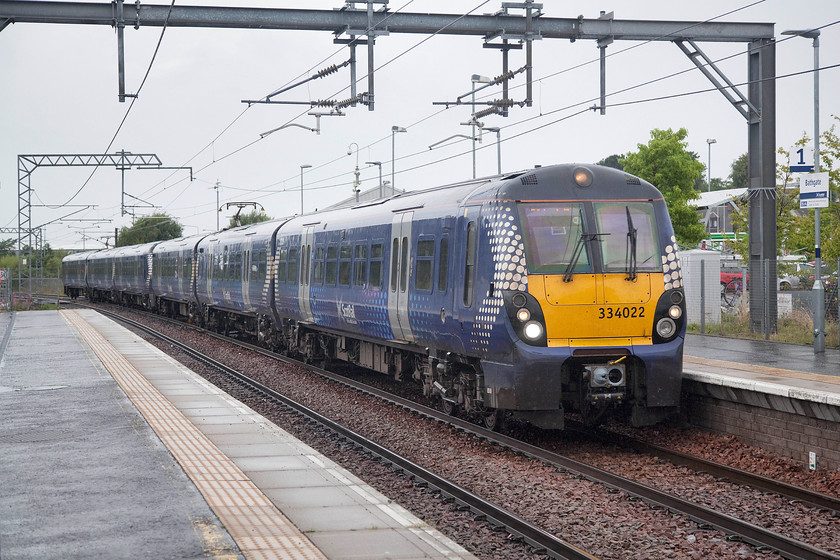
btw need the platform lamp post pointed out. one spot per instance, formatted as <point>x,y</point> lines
<point>498,132</point>
<point>710,141</point>
<point>379,165</point>
<point>302,167</point>
<point>819,289</point>
<point>394,130</point>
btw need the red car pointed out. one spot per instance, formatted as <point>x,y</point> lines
<point>729,273</point>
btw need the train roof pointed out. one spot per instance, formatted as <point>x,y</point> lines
<point>179,243</point>
<point>554,182</point>
<point>558,181</point>
<point>80,256</point>
<point>259,230</point>
<point>135,250</point>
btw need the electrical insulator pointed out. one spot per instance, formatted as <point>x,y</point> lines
<point>505,76</point>
<point>347,102</point>
<point>326,71</point>
<point>485,112</point>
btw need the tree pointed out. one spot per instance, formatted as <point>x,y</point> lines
<point>252,217</point>
<point>613,161</point>
<point>719,184</point>
<point>157,227</point>
<point>665,162</point>
<point>740,175</point>
<point>7,246</point>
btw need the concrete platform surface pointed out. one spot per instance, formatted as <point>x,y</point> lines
<point>82,475</point>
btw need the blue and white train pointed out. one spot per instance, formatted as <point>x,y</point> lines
<point>552,290</point>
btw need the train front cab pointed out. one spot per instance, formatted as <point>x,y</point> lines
<point>599,322</point>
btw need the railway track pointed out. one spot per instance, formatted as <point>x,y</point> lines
<point>737,476</point>
<point>536,537</point>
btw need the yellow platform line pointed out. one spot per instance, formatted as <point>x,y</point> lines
<point>260,530</point>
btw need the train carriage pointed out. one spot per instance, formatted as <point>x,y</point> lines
<point>100,278</point>
<point>234,280</point>
<point>74,272</point>
<point>133,274</point>
<point>173,277</point>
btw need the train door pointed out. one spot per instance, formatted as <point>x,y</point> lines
<point>399,276</point>
<point>466,266</point>
<point>307,239</point>
<point>247,247</point>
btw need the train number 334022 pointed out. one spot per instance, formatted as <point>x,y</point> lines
<point>620,312</point>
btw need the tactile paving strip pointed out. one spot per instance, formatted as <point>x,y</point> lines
<point>260,530</point>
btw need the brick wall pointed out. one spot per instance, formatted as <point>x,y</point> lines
<point>792,430</point>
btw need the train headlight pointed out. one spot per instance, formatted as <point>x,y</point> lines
<point>675,312</point>
<point>523,315</point>
<point>533,330</point>
<point>666,328</point>
<point>583,176</point>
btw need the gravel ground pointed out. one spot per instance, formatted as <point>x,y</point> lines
<point>602,521</point>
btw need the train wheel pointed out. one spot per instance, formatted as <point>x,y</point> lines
<point>492,418</point>
<point>449,407</point>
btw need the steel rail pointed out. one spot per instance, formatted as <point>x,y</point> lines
<point>732,474</point>
<point>531,534</point>
<point>753,534</point>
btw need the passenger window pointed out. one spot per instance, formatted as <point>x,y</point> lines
<point>293,265</point>
<point>282,265</point>
<point>425,264</point>
<point>345,265</point>
<point>332,255</point>
<point>395,258</point>
<point>375,274</point>
<point>318,266</point>
<point>404,265</point>
<point>306,261</point>
<point>360,265</point>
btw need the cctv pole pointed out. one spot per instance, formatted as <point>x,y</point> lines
<point>819,290</point>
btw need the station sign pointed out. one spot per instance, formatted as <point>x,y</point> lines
<point>801,165</point>
<point>813,190</point>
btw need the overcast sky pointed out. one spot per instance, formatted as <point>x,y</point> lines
<point>58,95</point>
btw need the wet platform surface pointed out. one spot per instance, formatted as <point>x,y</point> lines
<point>111,449</point>
<point>82,475</point>
<point>794,357</point>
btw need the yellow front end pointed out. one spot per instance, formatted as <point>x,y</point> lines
<point>597,309</point>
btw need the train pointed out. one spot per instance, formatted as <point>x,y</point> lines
<point>537,294</point>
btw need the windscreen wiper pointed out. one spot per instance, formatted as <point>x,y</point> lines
<point>630,253</point>
<point>584,237</point>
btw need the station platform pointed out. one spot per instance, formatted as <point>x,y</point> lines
<point>780,397</point>
<point>111,449</point>
<point>772,368</point>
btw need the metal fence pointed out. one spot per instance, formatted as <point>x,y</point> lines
<point>18,293</point>
<point>5,289</point>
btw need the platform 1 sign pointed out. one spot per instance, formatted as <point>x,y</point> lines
<point>813,190</point>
